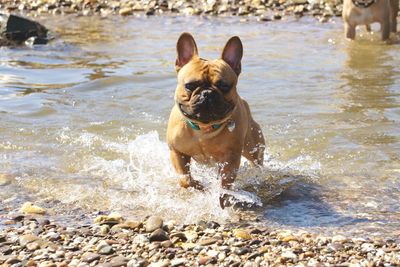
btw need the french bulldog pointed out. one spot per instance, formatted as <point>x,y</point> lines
<point>210,122</point>
<point>365,12</point>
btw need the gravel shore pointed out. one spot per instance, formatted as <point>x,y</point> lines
<point>33,240</point>
<point>264,10</point>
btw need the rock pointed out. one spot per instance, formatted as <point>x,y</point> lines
<point>5,250</point>
<point>126,11</point>
<point>104,248</point>
<point>104,229</point>
<point>17,29</point>
<point>28,207</point>
<point>242,234</point>
<point>178,262</point>
<point>138,263</point>
<point>207,241</point>
<point>5,179</point>
<point>90,257</point>
<point>179,236</point>
<point>119,261</point>
<point>241,251</point>
<point>26,239</point>
<point>12,260</point>
<point>367,247</point>
<point>158,235</point>
<point>153,223</point>
<point>47,264</point>
<point>339,239</point>
<point>112,218</point>
<point>288,255</point>
<point>32,246</point>
<point>132,225</point>
<point>212,225</point>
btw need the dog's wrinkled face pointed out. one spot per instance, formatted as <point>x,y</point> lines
<point>206,90</point>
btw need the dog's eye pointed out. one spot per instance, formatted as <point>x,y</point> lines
<point>223,86</point>
<point>191,86</point>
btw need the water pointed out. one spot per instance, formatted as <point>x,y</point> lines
<point>83,123</point>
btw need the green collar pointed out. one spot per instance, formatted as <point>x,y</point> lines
<point>196,127</point>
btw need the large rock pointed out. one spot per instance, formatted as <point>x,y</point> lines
<point>15,30</point>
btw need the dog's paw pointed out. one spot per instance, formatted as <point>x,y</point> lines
<point>226,200</point>
<point>188,182</point>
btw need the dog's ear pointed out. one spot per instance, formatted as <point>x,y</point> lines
<point>232,54</point>
<point>186,49</point>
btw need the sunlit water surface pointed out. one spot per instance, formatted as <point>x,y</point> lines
<point>83,122</point>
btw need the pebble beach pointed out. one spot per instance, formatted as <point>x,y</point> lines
<point>111,240</point>
<point>262,10</point>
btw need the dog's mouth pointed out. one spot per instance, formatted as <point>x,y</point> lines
<point>206,116</point>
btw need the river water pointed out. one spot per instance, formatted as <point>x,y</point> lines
<point>83,122</point>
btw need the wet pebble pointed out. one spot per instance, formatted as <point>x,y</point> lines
<point>153,223</point>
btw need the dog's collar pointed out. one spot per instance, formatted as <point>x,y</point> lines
<point>207,128</point>
<point>363,4</point>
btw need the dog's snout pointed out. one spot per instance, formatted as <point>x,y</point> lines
<point>208,97</point>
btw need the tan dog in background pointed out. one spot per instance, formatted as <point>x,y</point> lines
<point>365,12</point>
<point>210,122</point>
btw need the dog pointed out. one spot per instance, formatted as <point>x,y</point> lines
<point>210,122</point>
<point>365,12</point>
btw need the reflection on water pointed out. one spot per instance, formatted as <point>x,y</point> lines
<point>83,121</point>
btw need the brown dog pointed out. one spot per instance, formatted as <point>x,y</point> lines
<point>209,121</point>
<point>365,12</point>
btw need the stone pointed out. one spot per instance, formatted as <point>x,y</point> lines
<point>132,225</point>
<point>288,255</point>
<point>5,179</point>
<point>180,236</point>
<point>212,225</point>
<point>47,264</point>
<point>158,235</point>
<point>242,234</point>
<point>339,239</point>
<point>104,229</point>
<point>32,246</point>
<point>17,29</point>
<point>26,239</point>
<point>207,241</point>
<point>178,262</point>
<point>29,207</point>
<point>241,251</point>
<point>119,261</point>
<point>90,257</point>
<point>125,11</point>
<point>12,260</point>
<point>153,223</point>
<point>104,248</point>
<point>112,218</point>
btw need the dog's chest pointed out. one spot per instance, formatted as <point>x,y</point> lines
<point>362,16</point>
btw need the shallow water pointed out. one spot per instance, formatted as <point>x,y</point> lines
<point>83,121</point>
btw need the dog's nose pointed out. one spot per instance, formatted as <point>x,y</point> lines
<point>208,97</point>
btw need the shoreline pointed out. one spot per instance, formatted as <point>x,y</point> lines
<point>111,240</point>
<point>263,10</point>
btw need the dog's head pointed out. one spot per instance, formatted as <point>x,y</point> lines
<point>206,90</point>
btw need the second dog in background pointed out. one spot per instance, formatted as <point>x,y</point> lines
<point>365,12</point>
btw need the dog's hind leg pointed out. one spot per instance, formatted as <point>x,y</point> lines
<point>394,9</point>
<point>385,28</point>
<point>350,31</point>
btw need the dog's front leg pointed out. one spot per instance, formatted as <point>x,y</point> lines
<point>181,163</point>
<point>228,171</point>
